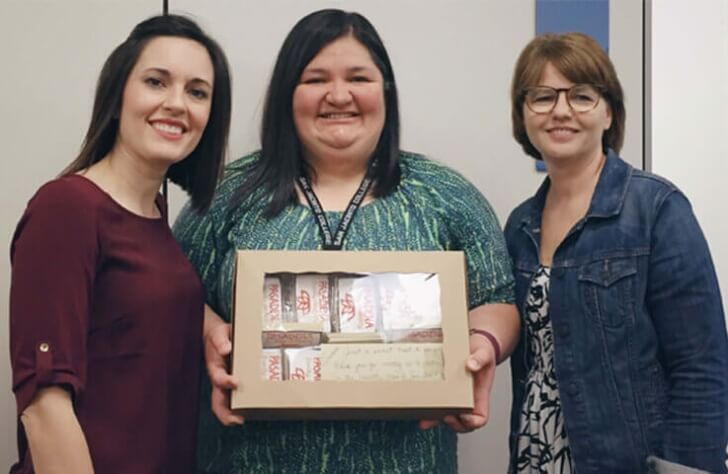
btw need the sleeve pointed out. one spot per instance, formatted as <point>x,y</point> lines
<point>54,255</point>
<point>201,237</point>
<point>684,301</point>
<point>474,228</point>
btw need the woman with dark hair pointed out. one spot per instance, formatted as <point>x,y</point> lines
<point>330,130</point>
<point>623,364</point>
<point>106,312</point>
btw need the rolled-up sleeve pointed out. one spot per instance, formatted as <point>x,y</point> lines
<point>54,256</point>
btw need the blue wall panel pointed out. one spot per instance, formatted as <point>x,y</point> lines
<point>562,16</point>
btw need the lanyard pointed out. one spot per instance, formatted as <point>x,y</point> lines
<point>336,241</point>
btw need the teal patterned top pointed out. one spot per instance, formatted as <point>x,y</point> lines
<point>433,208</point>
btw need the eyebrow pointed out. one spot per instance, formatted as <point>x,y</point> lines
<point>354,69</point>
<point>166,73</point>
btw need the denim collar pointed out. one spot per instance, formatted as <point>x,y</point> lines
<point>608,196</point>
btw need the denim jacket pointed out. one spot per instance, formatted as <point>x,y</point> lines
<point>640,344</point>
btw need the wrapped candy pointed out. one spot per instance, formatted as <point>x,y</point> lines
<point>303,364</point>
<point>313,300</point>
<point>272,306</point>
<point>274,339</point>
<point>271,364</point>
<point>409,301</point>
<point>357,299</point>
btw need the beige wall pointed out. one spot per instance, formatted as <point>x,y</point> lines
<point>453,60</point>
<point>689,111</point>
<point>51,55</point>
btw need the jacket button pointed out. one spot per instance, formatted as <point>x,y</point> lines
<point>564,331</point>
<point>44,347</point>
<point>572,389</point>
<point>557,272</point>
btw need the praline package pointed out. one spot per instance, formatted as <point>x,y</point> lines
<point>350,335</point>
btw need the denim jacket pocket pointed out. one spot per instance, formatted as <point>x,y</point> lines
<point>607,289</point>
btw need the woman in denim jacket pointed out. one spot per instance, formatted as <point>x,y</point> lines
<point>623,367</point>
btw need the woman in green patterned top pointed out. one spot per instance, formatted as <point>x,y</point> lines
<point>331,116</point>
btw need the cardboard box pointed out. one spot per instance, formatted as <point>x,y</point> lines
<point>325,390</point>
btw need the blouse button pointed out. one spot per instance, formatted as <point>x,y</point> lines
<point>44,347</point>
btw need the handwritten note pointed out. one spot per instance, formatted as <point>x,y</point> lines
<point>371,362</point>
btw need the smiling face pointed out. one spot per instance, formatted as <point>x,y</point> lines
<point>166,101</point>
<point>338,105</point>
<point>563,134</point>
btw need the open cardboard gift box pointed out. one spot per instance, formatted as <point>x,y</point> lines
<point>347,335</point>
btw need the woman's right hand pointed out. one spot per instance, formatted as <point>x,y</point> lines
<point>55,438</point>
<point>217,344</point>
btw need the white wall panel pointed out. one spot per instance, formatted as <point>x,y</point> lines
<point>52,53</point>
<point>689,111</point>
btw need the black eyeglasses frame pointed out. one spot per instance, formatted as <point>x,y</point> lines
<point>599,88</point>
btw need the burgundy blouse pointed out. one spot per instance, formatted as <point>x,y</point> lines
<point>104,303</point>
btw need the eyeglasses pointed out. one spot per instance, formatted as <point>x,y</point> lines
<point>580,97</point>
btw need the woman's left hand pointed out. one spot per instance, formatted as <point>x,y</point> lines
<point>482,364</point>
<point>502,323</point>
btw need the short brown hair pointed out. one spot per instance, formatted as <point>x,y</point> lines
<point>581,60</point>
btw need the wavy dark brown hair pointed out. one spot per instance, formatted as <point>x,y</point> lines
<point>200,171</point>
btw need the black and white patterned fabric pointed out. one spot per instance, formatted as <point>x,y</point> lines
<point>543,446</point>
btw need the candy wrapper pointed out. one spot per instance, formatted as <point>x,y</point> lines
<point>409,300</point>
<point>357,300</point>
<point>313,300</point>
<point>303,364</point>
<point>271,364</point>
<point>412,335</point>
<point>272,304</point>
<point>275,339</point>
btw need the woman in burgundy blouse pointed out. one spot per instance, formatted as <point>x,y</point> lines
<point>105,310</point>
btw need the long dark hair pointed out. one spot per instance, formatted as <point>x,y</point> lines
<point>199,172</point>
<point>273,174</point>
